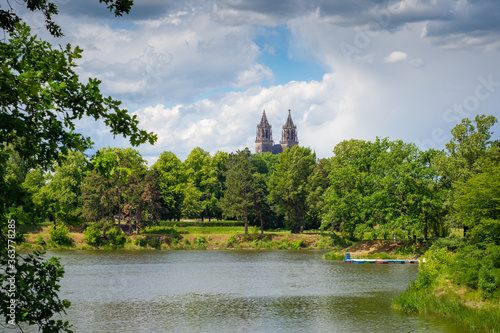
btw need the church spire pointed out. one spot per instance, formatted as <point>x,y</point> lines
<point>264,140</point>
<point>289,136</point>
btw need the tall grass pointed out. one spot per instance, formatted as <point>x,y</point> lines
<point>484,316</point>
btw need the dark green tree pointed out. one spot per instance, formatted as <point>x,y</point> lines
<point>470,146</point>
<point>289,186</point>
<point>240,195</point>
<point>478,203</point>
<point>172,179</point>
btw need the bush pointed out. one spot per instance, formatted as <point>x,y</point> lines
<point>201,242</point>
<point>183,224</point>
<point>451,244</point>
<point>154,242</point>
<point>116,237</point>
<point>41,241</point>
<point>161,231</point>
<point>486,283</point>
<point>59,234</point>
<point>92,236</point>
<point>232,239</point>
<point>141,241</point>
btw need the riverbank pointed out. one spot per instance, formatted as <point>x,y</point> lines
<point>209,238</point>
<point>460,304</point>
<point>378,249</point>
<point>459,280</point>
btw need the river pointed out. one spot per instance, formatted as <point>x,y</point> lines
<point>235,291</point>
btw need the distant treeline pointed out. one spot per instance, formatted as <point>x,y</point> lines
<point>365,190</point>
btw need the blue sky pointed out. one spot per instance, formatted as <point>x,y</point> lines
<point>200,72</point>
<point>287,62</point>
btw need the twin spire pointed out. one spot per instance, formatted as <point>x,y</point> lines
<point>264,140</point>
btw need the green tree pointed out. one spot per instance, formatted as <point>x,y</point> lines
<point>478,203</point>
<point>41,98</point>
<point>470,146</point>
<point>386,184</point>
<point>240,195</point>
<point>118,190</point>
<point>289,187</point>
<point>216,183</point>
<point>191,204</point>
<point>63,189</point>
<point>197,168</point>
<point>171,178</point>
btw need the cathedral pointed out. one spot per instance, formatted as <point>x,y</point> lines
<point>264,140</point>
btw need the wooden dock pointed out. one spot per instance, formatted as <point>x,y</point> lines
<point>349,260</point>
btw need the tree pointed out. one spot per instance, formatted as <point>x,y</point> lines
<point>171,177</point>
<point>197,169</point>
<point>478,203</point>
<point>387,185</point>
<point>289,187</point>
<point>240,195</point>
<point>63,189</point>
<point>217,182</point>
<point>118,189</point>
<point>41,98</point>
<point>470,146</point>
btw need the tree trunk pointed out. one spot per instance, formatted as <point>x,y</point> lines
<point>261,222</point>
<point>246,223</point>
<point>119,208</point>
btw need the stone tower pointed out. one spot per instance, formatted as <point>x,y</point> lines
<point>289,135</point>
<point>264,140</point>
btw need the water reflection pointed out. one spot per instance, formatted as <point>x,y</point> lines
<point>235,291</point>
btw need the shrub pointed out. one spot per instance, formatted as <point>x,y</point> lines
<point>59,234</point>
<point>116,237</point>
<point>141,241</point>
<point>451,244</point>
<point>486,283</point>
<point>201,242</point>
<point>41,241</point>
<point>92,236</point>
<point>161,230</point>
<point>154,242</point>
<point>232,239</point>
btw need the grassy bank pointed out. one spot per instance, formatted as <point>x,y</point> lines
<point>463,284</point>
<point>454,304</point>
<point>184,238</point>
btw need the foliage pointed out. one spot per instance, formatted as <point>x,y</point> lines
<point>289,187</point>
<point>241,191</point>
<point>478,205</point>
<point>161,230</point>
<point>41,241</point>
<point>116,237</point>
<point>92,236</point>
<point>59,234</point>
<point>25,279</point>
<point>385,184</point>
<point>184,224</point>
<point>42,97</point>
<point>232,240</point>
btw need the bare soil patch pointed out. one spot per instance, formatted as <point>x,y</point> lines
<point>373,246</point>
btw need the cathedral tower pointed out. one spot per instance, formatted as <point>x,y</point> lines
<point>289,135</point>
<point>264,140</point>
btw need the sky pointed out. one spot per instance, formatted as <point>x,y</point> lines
<point>199,73</point>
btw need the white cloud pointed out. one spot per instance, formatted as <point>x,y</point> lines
<point>159,68</point>
<point>395,56</point>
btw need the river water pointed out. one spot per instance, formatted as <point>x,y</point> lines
<point>235,291</point>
